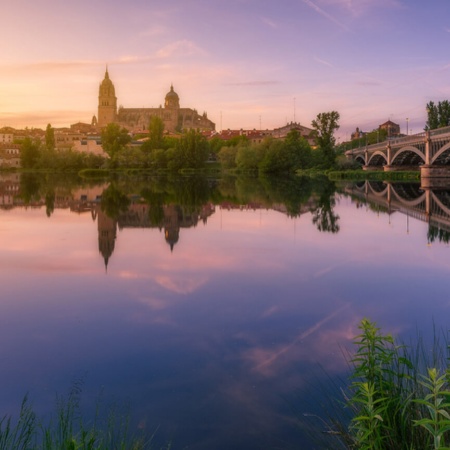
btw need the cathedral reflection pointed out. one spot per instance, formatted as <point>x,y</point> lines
<point>138,215</point>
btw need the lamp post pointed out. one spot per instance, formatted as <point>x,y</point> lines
<point>407,122</point>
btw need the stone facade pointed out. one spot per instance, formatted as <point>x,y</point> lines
<point>175,119</point>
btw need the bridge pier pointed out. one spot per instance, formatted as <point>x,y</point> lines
<point>434,176</point>
<point>388,168</point>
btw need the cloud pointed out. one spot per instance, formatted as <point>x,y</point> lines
<point>180,48</point>
<point>269,22</point>
<point>157,30</point>
<point>322,61</point>
<point>254,83</point>
<point>325,14</point>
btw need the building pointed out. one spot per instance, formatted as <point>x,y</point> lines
<point>357,134</point>
<point>392,129</point>
<point>176,119</point>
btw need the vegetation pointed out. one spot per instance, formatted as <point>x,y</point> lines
<point>324,127</point>
<point>398,397</point>
<point>67,430</point>
<point>438,115</point>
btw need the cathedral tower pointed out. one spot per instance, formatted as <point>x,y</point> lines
<point>107,102</point>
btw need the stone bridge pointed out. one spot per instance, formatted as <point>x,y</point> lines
<point>428,152</point>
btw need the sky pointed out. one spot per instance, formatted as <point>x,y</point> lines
<point>251,64</point>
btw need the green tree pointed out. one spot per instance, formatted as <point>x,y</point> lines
<point>114,140</point>
<point>191,152</point>
<point>227,156</point>
<point>438,115</point>
<point>50,137</point>
<point>298,151</point>
<point>324,127</point>
<point>29,153</point>
<point>156,134</point>
<point>248,157</point>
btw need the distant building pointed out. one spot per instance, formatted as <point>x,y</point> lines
<point>257,136</point>
<point>357,134</point>
<point>282,132</point>
<point>175,118</point>
<point>9,155</point>
<point>392,129</point>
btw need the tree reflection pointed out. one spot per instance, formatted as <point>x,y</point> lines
<point>436,233</point>
<point>114,201</point>
<point>324,217</point>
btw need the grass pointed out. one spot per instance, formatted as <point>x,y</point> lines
<point>398,396</point>
<point>356,175</point>
<point>67,430</point>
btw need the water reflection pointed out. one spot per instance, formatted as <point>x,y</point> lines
<point>428,205</point>
<point>221,295</point>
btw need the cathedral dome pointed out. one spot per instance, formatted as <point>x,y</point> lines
<point>172,99</point>
<point>107,87</point>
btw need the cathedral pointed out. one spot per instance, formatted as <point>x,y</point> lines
<point>175,119</point>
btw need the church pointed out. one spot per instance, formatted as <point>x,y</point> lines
<point>175,119</point>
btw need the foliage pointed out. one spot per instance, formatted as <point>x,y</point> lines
<point>191,152</point>
<point>399,398</point>
<point>114,139</point>
<point>29,153</point>
<point>50,137</point>
<point>68,430</point>
<point>227,156</point>
<point>248,157</point>
<point>324,127</point>
<point>156,135</point>
<point>438,115</point>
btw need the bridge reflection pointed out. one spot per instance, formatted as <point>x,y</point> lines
<point>428,205</point>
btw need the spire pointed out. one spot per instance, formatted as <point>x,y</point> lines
<point>106,72</point>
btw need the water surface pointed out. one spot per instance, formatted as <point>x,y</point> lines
<point>211,307</point>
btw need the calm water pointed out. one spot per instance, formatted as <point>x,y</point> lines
<point>211,307</point>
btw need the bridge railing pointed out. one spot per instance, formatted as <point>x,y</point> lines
<point>438,131</point>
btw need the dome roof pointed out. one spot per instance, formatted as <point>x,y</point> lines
<point>107,86</point>
<point>172,94</point>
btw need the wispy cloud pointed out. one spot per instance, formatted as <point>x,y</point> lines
<point>180,48</point>
<point>322,61</point>
<point>269,22</point>
<point>254,83</point>
<point>326,15</point>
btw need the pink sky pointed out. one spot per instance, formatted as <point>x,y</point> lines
<point>247,63</point>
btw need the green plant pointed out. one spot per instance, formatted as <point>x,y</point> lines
<point>437,404</point>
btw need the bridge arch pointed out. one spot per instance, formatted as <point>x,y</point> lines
<point>377,158</point>
<point>360,159</point>
<point>407,194</point>
<point>408,156</point>
<point>440,157</point>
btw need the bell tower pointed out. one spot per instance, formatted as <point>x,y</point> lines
<point>107,102</point>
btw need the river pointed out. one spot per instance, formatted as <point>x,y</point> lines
<point>213,310</point>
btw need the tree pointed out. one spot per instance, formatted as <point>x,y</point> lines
<point>29,153</point>
<point>114,140</point>
<point>156,134</point>
<point>50,137</point>
<point>191,152</point>
<point>324,127</point>
<point>438,115</point>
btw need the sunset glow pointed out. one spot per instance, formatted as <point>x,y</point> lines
<point>247,63</point>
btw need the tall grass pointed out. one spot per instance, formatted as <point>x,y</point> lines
<point>398,396</point>
<point>67,430</point>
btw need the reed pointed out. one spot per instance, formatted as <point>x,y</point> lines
<point>68,430</point>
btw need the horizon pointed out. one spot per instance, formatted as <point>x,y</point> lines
<point>247,64</point>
